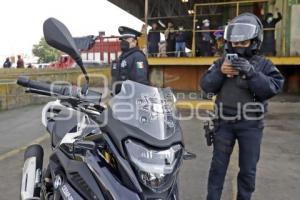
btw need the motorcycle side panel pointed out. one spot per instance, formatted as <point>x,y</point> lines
<point>107,182</point>
<point>126,171</point>
<point>77,174</point>
<point>68,193</point>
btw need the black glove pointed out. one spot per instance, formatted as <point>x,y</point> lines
<point>244,67</point>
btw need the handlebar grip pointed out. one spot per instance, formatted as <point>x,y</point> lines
<point>23,81</point>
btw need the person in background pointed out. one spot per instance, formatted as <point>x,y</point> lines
<point>220,42</point>
<point>7,63</point>
<point>153,40</point>
<point>269,23</point>
<point>206,41</point>
<point>162,49</point>
<point>198,38</point>
<point>170,39</point>
<point>180,39</point>
<point>142,39</point>
<point>20,62</point>
<point>29,66</point>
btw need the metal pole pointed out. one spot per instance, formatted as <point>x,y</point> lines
<point>146,27</point>
<point>284,27</point>
<point>231,2</point>
<point>237,8</point>
<point>194,32</point>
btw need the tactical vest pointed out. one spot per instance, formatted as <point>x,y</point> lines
<point>235,93</point>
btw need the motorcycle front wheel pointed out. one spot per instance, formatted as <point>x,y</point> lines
<point>32,172</point>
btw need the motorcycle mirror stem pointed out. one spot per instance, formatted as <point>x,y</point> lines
<point>58,36</point>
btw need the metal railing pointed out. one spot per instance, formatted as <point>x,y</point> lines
<point>196,6</point>
<point>235,8</point>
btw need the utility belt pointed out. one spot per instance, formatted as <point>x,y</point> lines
<point>251,116</point>
<point>211,126</point>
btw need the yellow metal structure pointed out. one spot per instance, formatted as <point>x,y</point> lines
<point>207,61</point>
<point>195,105</point>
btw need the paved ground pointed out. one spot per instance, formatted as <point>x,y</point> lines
<point>278,175</point>
<point>20,126</point>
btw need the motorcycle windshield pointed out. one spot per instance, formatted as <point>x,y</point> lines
<point>150,109</point>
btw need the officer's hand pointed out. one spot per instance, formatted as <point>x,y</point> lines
<point>244,67</point>
<point>228,70</point>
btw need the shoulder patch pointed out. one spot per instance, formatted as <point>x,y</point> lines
<point>123,63</point>
<point>139,65</point>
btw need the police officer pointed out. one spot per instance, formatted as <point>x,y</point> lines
<point>132,63</point>
<point>243,87</point>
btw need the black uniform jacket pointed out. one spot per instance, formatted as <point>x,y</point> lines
<point>266,82</point>
<point>131,65</point>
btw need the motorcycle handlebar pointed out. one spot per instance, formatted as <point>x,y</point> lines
<point>65,91</point>
<point>44,87</point>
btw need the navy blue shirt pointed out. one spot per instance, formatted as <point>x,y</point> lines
<point>153,37</point>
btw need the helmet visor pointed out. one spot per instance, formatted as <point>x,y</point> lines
<point>238,32</point>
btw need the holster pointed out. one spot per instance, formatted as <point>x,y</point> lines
<point>209,132</point>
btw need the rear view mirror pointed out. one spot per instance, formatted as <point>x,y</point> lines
<point>58,36</point>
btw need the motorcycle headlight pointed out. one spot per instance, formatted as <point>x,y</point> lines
<point>156,169</point>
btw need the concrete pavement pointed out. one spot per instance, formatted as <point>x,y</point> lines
<point>278,175</point>
<point>19,127</point>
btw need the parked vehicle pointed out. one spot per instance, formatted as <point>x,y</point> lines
<point>100,152</point>
<point>42,65</point>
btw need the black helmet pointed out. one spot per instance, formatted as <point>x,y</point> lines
<point>246,26</point>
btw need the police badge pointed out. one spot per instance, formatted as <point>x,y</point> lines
<point>123,63</point>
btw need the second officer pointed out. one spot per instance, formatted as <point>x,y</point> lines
<point>132,63</point>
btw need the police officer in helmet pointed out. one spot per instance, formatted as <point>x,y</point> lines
<point>132,63</point>
<point>243,86</point>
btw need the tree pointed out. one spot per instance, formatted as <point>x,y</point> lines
<point>44,52</point>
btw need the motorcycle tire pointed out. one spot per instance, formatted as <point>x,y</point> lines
<point>32,172</point>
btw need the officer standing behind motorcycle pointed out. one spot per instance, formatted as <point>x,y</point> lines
<point>132,63</point>
<point>243,87</point>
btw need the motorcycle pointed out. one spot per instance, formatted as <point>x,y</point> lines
<point>131,149</point>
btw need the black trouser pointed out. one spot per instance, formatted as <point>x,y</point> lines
<point>170,48</point>
<point>249,136</point>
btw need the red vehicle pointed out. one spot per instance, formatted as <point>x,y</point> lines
<point>101,50</point>
<point>64,62</point>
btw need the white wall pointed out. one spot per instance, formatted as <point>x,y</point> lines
<point>295,31</point>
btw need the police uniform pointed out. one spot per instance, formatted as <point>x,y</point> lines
<point>131,65</point>
<point>266,83</point>
<point>235,122</point>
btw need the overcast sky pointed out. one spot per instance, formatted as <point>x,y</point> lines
<point>22,20</point>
